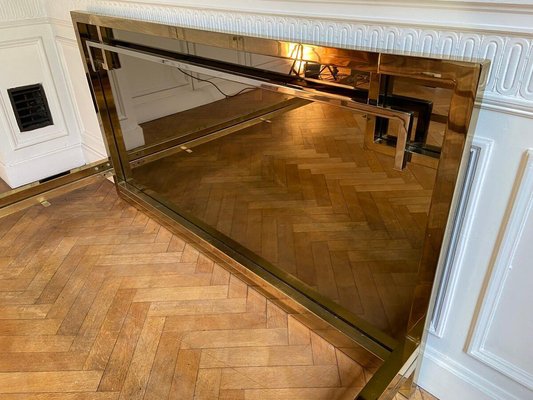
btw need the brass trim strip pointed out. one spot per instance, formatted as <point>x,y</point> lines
<point>385,381</point>
<point>34,189</point>
<point>38,198</point>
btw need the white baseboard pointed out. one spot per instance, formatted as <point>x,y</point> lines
<point>91,154</point>
<point>133,136</point>
<point>93,147</point>
<point>448,380</point>
<point>43,166</point>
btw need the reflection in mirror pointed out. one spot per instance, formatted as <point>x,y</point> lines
<point>288,179</point>
<point>161,105</point>
<point>328,173</point>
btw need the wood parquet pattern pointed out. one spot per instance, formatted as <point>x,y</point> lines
<point>98,301</point>
<point>303,193</point>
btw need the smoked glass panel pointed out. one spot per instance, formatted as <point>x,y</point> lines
<point>288,179</point>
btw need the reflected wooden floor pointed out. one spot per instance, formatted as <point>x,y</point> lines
<point>98,301</point>
<point>302,192</point>
<point>208,115</point>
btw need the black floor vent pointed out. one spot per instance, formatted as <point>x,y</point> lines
<point>30,107</point>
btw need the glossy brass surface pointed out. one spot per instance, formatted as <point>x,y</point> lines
<point>33,190</point>
<point>360,89</point>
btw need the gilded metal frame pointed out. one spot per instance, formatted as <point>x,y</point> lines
<point>95,40</point>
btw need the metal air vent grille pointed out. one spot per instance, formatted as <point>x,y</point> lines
<point>30,107</point>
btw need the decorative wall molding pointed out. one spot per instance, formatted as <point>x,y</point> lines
<point>467,204</point>
<point>515,238</point>
<point>86,121</point>
<point>510,78</point>
<point>61,45</point>
<point>45,164</point>
<point>477,5</point>
<point>18,10</point>
<point>448,379</point>
<point>18,139</point>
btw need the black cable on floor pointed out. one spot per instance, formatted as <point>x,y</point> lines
<point>216,87</point>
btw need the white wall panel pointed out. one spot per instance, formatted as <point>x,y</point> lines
<point>463,224</point>
<point>29,56</point>
<point>24,62</point>
<point>448,356</point>
<point>504,329</point>
<point>92,143</point>
<point>87,122</point>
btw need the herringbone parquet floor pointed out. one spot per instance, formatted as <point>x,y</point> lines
<point>97,301</point>
<point>303,193</point>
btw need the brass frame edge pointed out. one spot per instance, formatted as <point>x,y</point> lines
<point>51,193</point>
<point>35,189</point>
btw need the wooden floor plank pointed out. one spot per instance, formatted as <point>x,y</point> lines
<point>61,381</point>
<point>83,319</point>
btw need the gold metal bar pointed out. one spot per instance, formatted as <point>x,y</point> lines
<point>373,95</point>
<point>401,144</point>
<point>387,379</point>
<point>357,58</point>
<point>34,189</point>
<point>36,198</point>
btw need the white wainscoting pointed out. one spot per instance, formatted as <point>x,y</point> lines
<point>25,63</point>
<point>466,207</point>
<point>503,335</point>
<point>449,379</point>
<point>86,121</point>
<point>449,368</point>
<point>29,56</point>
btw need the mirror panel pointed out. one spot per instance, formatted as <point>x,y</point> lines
<point>328,172</point>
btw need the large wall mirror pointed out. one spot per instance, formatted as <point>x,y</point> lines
<point>329,172</point>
